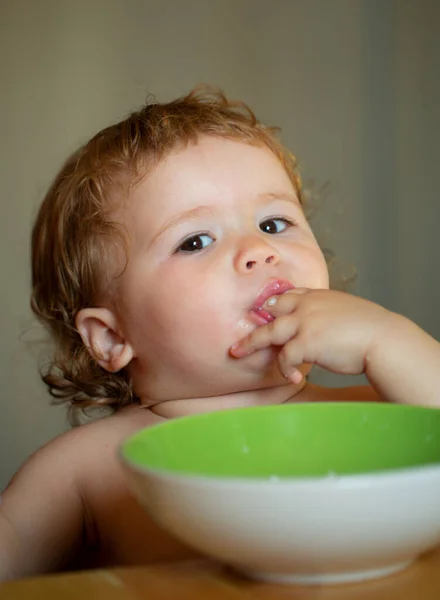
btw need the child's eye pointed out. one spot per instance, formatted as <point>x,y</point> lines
<point>276,225</point>
<point>195,243</point>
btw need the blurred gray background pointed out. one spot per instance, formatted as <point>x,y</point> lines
<point>354,84</point>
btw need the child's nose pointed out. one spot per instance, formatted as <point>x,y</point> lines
<point>255,253</point>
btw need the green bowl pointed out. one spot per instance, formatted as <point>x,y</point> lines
<point>299,492</point>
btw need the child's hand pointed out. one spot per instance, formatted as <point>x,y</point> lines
<point>331,329</point>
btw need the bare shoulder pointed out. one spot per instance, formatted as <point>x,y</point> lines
<point>109,432</point>
<point>47,509</point>
<point>80,445</point>
<point>92,449</point>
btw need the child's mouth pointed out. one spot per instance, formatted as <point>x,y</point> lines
<point>275,287</point>
<point>261,316</point>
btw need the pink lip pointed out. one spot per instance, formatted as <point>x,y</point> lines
<point>275,287</point>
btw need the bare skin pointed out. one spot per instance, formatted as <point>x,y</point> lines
<point>223,216</point>
<point>81,513</point>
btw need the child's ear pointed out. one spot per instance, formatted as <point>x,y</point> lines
<point>98,328</point>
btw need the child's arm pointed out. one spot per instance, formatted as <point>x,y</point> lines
<point>348,335</point>
<point>41,513</point>
<point>403,364</point>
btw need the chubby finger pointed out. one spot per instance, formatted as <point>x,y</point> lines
<point>290,357</point>
<point>275,333</point>
<point>294,375</point>
<point>284,303</point>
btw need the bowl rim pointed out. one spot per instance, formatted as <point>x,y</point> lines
<point>330,480</point>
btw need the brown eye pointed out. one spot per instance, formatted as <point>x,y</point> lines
<point>196,243</point>
<point>275,225</point>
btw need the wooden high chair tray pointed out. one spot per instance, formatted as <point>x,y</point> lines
<point>199,580</point>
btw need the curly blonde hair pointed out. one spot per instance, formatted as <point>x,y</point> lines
<point>74,237</point>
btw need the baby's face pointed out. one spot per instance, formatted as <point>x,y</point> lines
<point>211,227</point>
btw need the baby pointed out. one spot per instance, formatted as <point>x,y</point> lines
<point>176,272</point>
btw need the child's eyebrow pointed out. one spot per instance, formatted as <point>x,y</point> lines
<point>187,215</point>
<point>272,196</point>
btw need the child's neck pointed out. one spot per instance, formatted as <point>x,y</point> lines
<point>276,395</point>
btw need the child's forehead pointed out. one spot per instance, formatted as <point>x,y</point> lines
<point>212,166</point>
<point>217,148</point>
